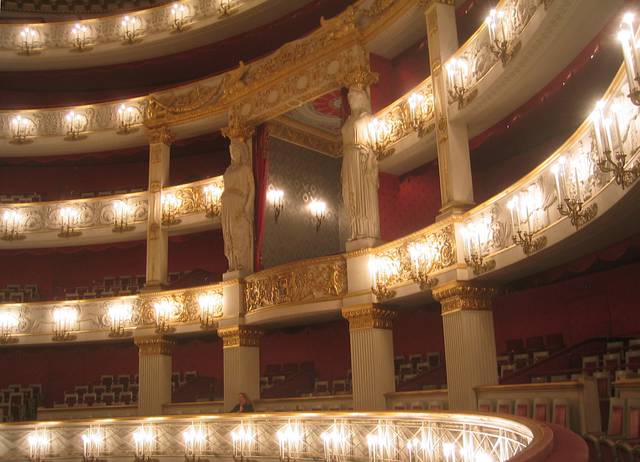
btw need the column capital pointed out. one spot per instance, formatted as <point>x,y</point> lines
<point>238,128</point>
<point>238,336</point>
<point>464,296</point>
<point>369,316</point>
<point>427,3</point>
<point>154,345</point>
<point>360,77</point>
<point>161,135</point>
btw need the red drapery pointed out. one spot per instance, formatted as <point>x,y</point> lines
<point>260,162</point>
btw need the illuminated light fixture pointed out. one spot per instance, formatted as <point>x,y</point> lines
<point>418,107</point>
<point>29,41</point>
<point>131,29</point>
<point>421,448</point>
<point>69,218</point>
<point>77,123</point>
<point>336,443</point>
<point>377,134</point>
<point>243,439</point>
<point>120,315</point>
<point>170,207</point>
<point>477,237</point>
<point>195,442</point>
<point>627,39</point>
<point>39,442</point>
<point>527,219</point>
<point>225,7</point>
<point>572,178</point>
<point>13,222</point>
<point>9,323</point>
<point>383,272</point>
<point>212,199</point>
<point>128,117</point>
<point>210,308</point>
<point>80,37</point>
<point>318,210</point>
<point>22,129</point>
<point>93,444</point>
<point>608,132</point>
<point>180,16</point>
<point>423,257</point>
<point>381,444</point>
<point>65,320</point>
<point>144,443</point>
<point>501,35</point>
<point>164,311</point>
<point>275,197</point>
<point>290,439</point>
<point>457,78</point>
<point>122,213</point>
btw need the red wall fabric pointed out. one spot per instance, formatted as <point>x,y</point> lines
<point>203,250</point>
<point>202,354</point>
<point>408,202</point>
<point>418,331</point>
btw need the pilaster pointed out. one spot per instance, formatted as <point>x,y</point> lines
<point>154,373</point>
<point>469,340</point>
<point>371,339</point>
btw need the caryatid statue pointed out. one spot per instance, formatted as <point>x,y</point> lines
<point>238,199</point>
<point>359,162</point>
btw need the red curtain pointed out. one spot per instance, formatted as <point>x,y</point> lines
<point>260,162</point>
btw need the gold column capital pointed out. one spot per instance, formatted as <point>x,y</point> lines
<point>464,296</point>
<point>238,336</point>
<point>154,345</point>
<point>238,128</point>
<point>161,135</point>
<point>428,3</point>
<point>360,77</point>
<point>369,316</point>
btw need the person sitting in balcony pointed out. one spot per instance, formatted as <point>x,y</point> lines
<point>244,404</point>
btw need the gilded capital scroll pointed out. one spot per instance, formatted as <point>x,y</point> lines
<point>464,296</point>
<point>240,336</point>
<point>369,316</point>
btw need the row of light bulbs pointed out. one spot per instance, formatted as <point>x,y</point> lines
<point>82,36</point>
<point>121,316</point>
<point>317,207</point>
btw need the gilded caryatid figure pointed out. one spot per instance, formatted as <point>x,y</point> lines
<point>238,199</point>
<point>359,162</point>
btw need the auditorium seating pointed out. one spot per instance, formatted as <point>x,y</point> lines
<point>110,390</point>
<point>409,367</point>
<point>19,198</point>
<point>19,293</point>
<point>606,449</point>
<point>18,402</point>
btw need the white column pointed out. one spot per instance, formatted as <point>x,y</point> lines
<point>452,138</point>
<point>157,236</point>
<point>372,369</point>
<point>154,373</point>
<point>469,341</point>
<point>241,356</point>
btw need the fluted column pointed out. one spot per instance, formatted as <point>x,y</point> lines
<point>469,340</point>
<point>452,138</point>
<point>157,237</point>
<point>154,373</point>
<point>372,368</point>
<point>241,356</point>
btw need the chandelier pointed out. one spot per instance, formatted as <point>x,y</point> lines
<point>179,16</point>
<point>131,29</point>
<point>212,199</point>
<point>572,180</point>
<point>195,442</point>
<point>243,438</point>
<point>13,222</point>
<point>457,78</point>
<point>69,219</point>
<point>93,444</point>
<point>164,311</point>
<point>210,308</point>
<point>290,439</point>
<point>170,207</point>
<point>477,236</point>
<point>119,314</point>
<point>383,272</point>
<point>376,134</point>
<point>122,212</point>
<point>128,117</point>
<point>39,443</point>
<point>423,256</point>
<point>22,130</point>
<point>501,35</point>
<point>29,41</point>
<point>318,210</point>
<point>336,442</point>
<point>627,38</point>
<point>417,108</point>
<point>144,443</point>
<point>9,323</point>
<point>80,37</point>
<point>65,319</point>
<point>76,124</point>
<point>275,197</point>
<point>527,219</point>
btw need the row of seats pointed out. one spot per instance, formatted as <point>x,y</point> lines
<point>112,286</point>
<point>18,293</point>
<point>603,449</point>
<point>18,402</point>
<point>19,198</point>
<point>523,353</point>
<point>179,379</point>
<point>557,411</point>
<point>408,367</point>
<point>110,390</point>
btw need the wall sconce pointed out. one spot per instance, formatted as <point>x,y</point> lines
<point>290,439</point>
<point>336,443</point>
<point>377,134</point>
<point>423,257</point>
<point>69,219</point>
<point>128,117</point>
<point>164,311</point>
<point>212,199</point>
<point>120,315</point>
<point>476,236</point>
<point>418,106</point>
<point>527,218</point>
<point>318,209</point>
<point>210,308</point>
<point>122,213</point>
<point>8,325</point>
<point>501,34</point>
<point>610,144</point>
<point>22,129</point>
<point>243,439</point>
<point>275,197</point>
<point>29,41</point>
<point>572,188</point>
<point>80,37</point>
<point>65,319</point>
<point>195,442</point>
<point>39,443</point>
<point>383,272</point>
<point>627,38</point>
<point>225,7</point>
<point>93,444</point>
<point>144,443</point>
<point>457,75</point>
<point>13,222</point>
<point>131,29</point>
<point>76,124</point>
<point>170,208</point>
<point>180,16</point>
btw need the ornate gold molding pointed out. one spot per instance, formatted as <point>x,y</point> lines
<point>161,135</point>
<point>360,77</point>
<point>238,128</point>
<point>463,296</point>
<point>303,135</point>
<point>154,345</point>
<point>369,316</point>
<point>240,336</point>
